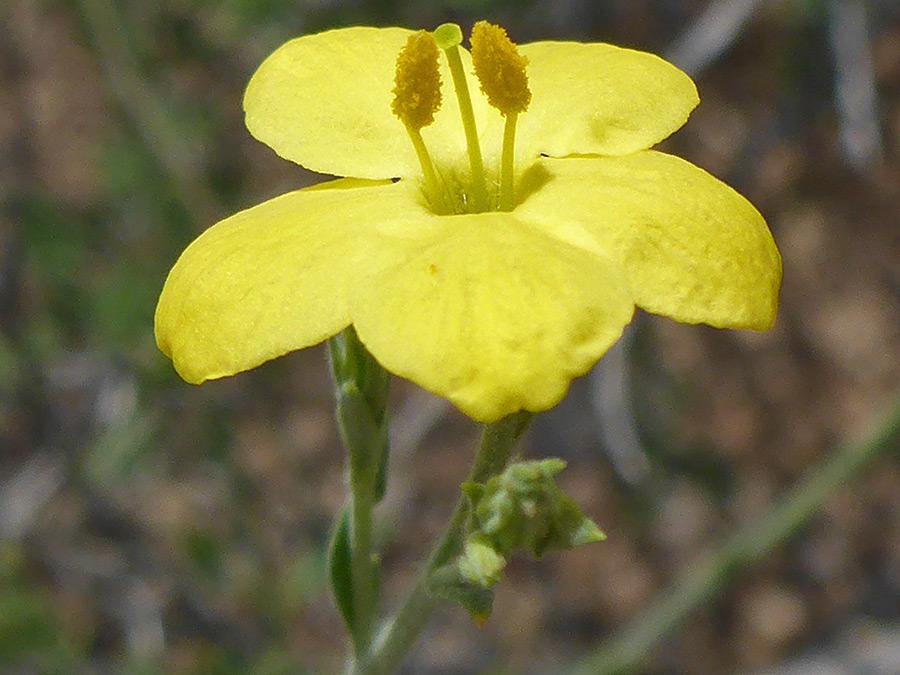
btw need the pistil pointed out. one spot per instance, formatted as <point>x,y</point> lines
<point>448,37</point>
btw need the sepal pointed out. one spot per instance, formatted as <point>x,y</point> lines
<point>448,582</point>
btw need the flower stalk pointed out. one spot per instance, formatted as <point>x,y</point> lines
<point>400,632</point>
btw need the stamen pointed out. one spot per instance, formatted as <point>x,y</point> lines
<point>417,96</point>
<point>501,71</point>
<point>449,36</point>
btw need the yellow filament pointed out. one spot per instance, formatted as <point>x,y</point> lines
<point>417,81</point>
<point>433,191</point>
<point>507,161</point>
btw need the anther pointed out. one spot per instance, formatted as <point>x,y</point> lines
<point>500,69</point>
<point>417,81</point>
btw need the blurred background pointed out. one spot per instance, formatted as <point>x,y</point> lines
<point>149,526</point>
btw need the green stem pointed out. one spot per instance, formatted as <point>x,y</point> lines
<point>399,634</point>
<point>479,185</point>
<point>626,652</point>
<point>362,500</point>
<point>361,385</point>
<point>507,163</point>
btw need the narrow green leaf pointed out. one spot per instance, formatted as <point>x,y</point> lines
<point>341,570</point>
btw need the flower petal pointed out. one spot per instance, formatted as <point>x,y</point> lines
<point>693,248</point>
<point>489,312</point>
<point>271,279</point>
<point>324,102</point>
<point>598,98</point>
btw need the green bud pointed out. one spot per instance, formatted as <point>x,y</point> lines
<point>523,508</point>
<point>480,564</point>
<point>361,386</point>
<point>351,362</point>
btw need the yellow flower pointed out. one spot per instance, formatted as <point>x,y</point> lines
<point>493,302</point>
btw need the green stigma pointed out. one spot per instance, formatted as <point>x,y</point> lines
<point>448,35</point>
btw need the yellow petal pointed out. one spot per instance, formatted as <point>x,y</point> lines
<point>490,313</point>
<point>324,102</point>
<point>693,248</point>
<point>271,279</point>
<point>598,98</point>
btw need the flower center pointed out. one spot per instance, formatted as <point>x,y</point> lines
<point>500,70</point>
